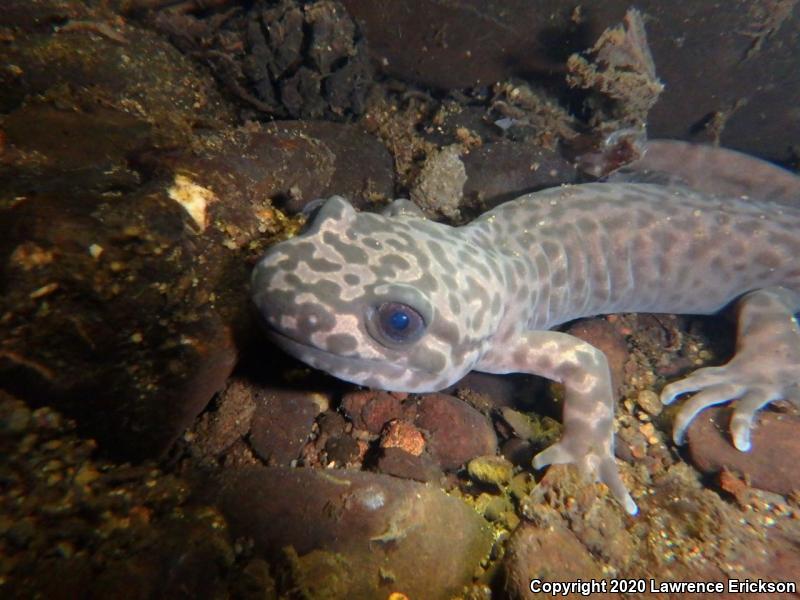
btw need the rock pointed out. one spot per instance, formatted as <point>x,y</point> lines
<point>218,430</point>
<point>650,402</point>
<point>439,188</point>
<point>398,462</point>
<point>331,424</point>
<point>506,169</point>
<point>115,332</point>
<point>285,60</point>
<point>772,464</point>
<point>702,100</point>
<point>372,409</point>
<point>492,470</point>
<point>291,162</point>
<point>282,423</point>
<point>547,554</point>
<point>518,452</point>
<point>138,73</point>
<point>494,507</point>
<point>108,314</point>
<point>376,526</point>
<point>342,451</point>
<point>110,527</point>
<point>403,435</point>
<point>456,431</point>
<point>123,314</point>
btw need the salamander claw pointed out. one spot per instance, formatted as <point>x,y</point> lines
<point>602,468</point>
<point>749,384</point>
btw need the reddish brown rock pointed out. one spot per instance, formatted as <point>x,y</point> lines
<point>547,554</point>
<point>402,434</point>
<point>331,424</point>
<point>372,409</point>
<point>772,464</point>
<point>282,423</point>
<point>456,431</point>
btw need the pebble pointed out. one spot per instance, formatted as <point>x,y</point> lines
<point>281,424</point>
<point>456,431</point>
<point>650,402</point>
<point>772,464</point>
<point>491,470</point>
<point>403,435</point>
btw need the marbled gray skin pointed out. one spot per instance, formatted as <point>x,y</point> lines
<point>487,294</point>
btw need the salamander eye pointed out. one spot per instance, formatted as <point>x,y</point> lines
<point>398,323</point>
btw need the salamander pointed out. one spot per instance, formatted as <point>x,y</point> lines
<point>402,303</point>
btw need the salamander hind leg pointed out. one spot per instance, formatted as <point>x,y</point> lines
<point>588,439</point>
<point>765,368</point>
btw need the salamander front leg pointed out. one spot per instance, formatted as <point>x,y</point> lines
<point>766,366</point>
<point>588,439</point>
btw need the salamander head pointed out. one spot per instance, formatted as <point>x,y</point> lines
<point>374,299</point>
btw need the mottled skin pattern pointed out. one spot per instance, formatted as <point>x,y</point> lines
<point>488,293</point>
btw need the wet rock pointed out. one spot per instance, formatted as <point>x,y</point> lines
<point>286,60</point>
<point>456,431</point>
<point>331,424</point>
<point>547,554</point>
<point>346,145</point>
<point>491,470</point>
<point>650,402</point>
<point>603,335</point>
<point>91,151</point>
<point>282,423</point>
<point>398,462</point>
<point>772,464</point>
<point>63,46</point>
<point>218,429</point>
<point>439,189</point>
<point>372,409</point>
<point>506,169</point>
<point>125,313</point>
<point>109,527</point>
<point>114,331</point>
<point>702,99</point>
<point>542,430</point>
<point>368,521</point>
<point>403,435</point>
<point>291,162</point>
<point>487,390</point>
<point>518,452</point>
<point>495,508</point>
<point>342,450</point>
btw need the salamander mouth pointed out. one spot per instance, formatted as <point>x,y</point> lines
<point>362,371</point>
